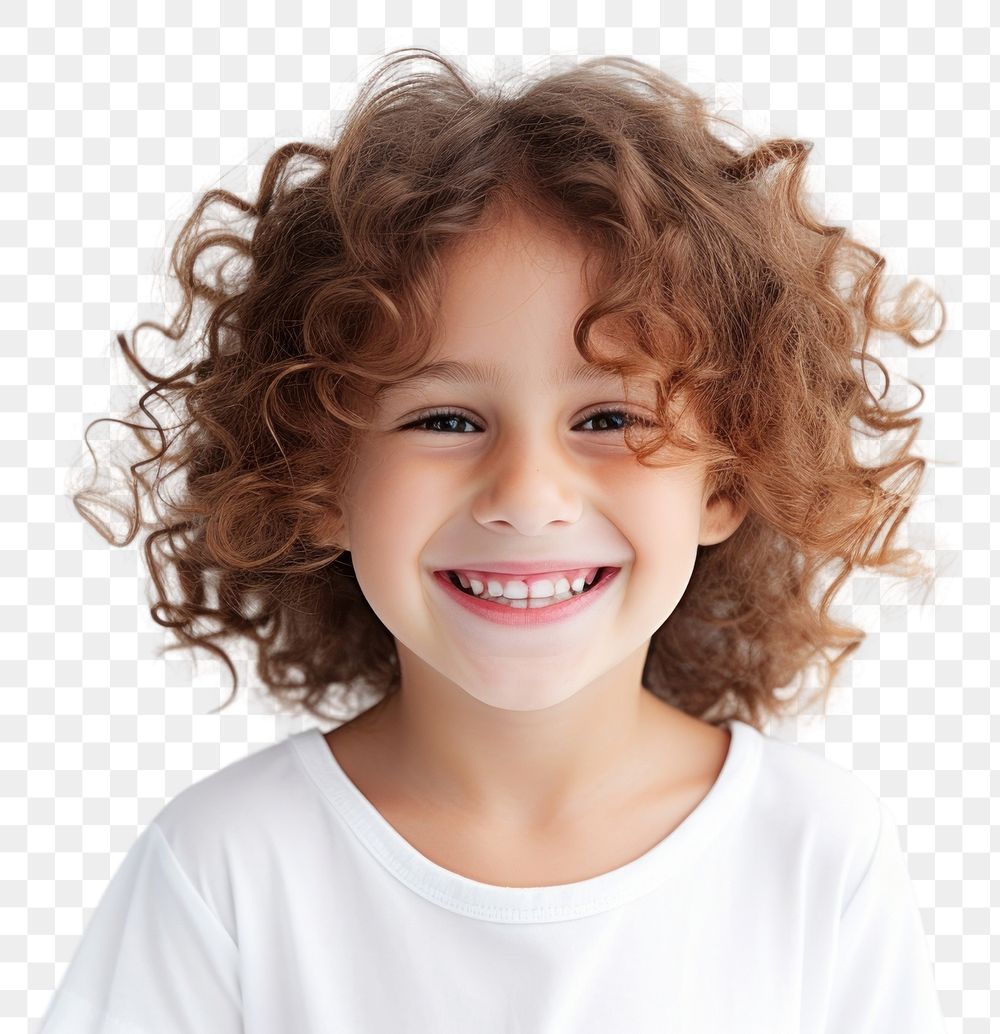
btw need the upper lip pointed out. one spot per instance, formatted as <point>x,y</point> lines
<point>527,567</point>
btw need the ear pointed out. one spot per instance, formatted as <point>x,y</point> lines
<point>720,517</point>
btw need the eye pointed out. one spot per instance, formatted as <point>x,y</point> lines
<point>424,421</point>
<point>629,419</point>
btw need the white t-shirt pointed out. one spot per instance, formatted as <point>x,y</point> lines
<point>273,898</point>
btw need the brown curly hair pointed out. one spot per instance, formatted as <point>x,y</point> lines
<point>709,265</point>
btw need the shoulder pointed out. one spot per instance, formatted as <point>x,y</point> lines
<point>816,811</point>
<point>234,798</point>
<point>224,827</point>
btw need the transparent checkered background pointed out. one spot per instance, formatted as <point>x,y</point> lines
<point>111,132</point>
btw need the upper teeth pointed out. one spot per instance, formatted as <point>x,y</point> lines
<point>519,589</point>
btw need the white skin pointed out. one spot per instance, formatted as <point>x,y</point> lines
<point>534,728</point>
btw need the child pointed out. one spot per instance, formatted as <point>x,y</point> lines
<point>529,417</point>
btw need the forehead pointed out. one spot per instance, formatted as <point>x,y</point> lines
<point>510,298</point>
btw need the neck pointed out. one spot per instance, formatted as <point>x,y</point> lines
<point>521,770</point>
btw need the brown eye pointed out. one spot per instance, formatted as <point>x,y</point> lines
<point>422,422</point>
<point>629,418</point>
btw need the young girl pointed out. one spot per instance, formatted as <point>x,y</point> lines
<point>528,417</point>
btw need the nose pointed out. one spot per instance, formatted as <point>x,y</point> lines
<point>529,481</point>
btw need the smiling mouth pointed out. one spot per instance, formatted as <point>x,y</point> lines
<point>531,602</point>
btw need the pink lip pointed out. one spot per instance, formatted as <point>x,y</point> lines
<point>500,614</point>
<point>536,567</point>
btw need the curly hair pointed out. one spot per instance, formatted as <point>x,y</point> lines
<point>709,265</point>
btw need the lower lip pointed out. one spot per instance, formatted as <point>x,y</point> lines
<point>501,614</point>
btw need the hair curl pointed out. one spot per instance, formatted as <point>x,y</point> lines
<point>709,265</point>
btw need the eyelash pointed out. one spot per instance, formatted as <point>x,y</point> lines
<point>426,418</point>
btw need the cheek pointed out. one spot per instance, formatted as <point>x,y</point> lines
<point>660,509</point>
<point>388,477</point>
<point>392,514</point>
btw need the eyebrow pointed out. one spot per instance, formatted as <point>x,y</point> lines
<point>453,371</point>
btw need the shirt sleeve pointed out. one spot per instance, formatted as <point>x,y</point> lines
<point>153,959</point>
<point>883,978</point>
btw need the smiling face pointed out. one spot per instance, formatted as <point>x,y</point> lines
<point>534,469</point>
